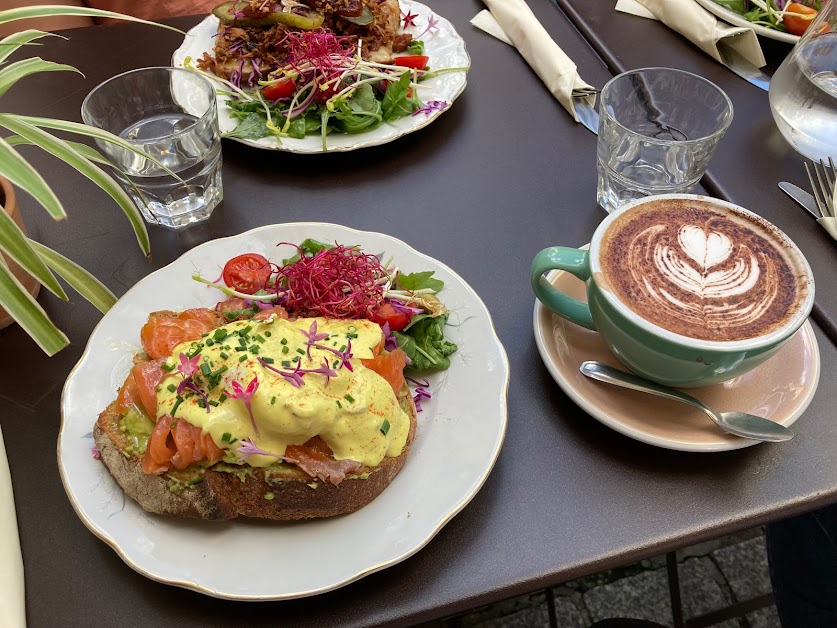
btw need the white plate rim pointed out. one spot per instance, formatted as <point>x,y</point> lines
<point>289,145</point>
<point>736,20</point>
<point>452,512</point>
<point>542,338</point>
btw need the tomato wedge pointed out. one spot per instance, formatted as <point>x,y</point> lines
<point>416,62</point>
<point>388,314</point>
<point>798,24</point>
<point>247,273</point>
<point>390,366</point>
<point>283,88</point>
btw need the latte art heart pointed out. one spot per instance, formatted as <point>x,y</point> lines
<point>700,273</point>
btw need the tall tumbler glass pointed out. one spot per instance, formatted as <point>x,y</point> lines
<point>803,91</point>
<point>658,130</point>
<point>171,114</point>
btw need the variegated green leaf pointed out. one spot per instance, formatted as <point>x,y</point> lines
<point>14,41</point>
<point>17,170</point>
<point>69,155</point>
<point>49,10</point>
<point>96,134</point>
<point>29,315</point>
<point>83,149</point>
<point>11,74</point>
<point>16,245</point>
<point>81,281</point>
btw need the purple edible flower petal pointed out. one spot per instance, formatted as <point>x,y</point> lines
<point>326,370</point>
<point>432,26</point>
<point>96,453</point>
<point>312,336</point>
<point>390,342</point>
<point>246,397</point>
<point>189,384</point>
<point>188,366</point>
<point>431,106</point>
<point>249,448</point>
<point>408,19</point>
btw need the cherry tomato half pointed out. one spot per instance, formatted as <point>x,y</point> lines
<point>283,88</point>
<point>247,273</point>
<point>388,314</point>
<point>416,62</point>
<point>798,25</point>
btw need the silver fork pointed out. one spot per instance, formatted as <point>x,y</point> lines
<point>587,114</point>
<point>823,189</point>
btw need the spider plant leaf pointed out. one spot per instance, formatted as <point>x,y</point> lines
<point>83,149</point>
<point>79,279</point>
<point>59,148</point>
<point>12,73</point>
<point>9,44</point>
<point>17,170</point>
<point>96,134</point>
<point>29,315</point>
<point>50,10</point>
<point>15,244</point>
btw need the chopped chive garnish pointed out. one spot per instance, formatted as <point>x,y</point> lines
<point>245,331</point>
<point>171,387</point>
<point>339,405</point>
<point>209,342</point>
<point>222,397</point>
<point>351,336</point>
<point>201,403</point>
<point>352,328</point>
<point>254,349</point>
<point>385,427</point>
<point>226,437</point>
<point>224,355</point>
<point>342,348</point>
<point>272,400</point>
<point>285,349</point>
<point>300,351</point>
<point>213,403</point>
<point>268,334</point>
<point>205,369</point>
<point>241,348</point>
<point>195,352</point>
<point>258,338</point>
<point>242,358</point>
<point>176,405</point>
<point>267,360</point>
<point>220,334</point>
<point>242,342</point>
<point>231,316</point>
<point>296,359</point>
<point>286,362</point>
<point>284,341</point>
<point>349,398</point>
<point>168,367</point>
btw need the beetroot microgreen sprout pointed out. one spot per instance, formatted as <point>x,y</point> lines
<point>246,397</point>
<point>249,448</point>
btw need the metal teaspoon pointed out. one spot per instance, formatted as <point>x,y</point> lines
<point>738,423</point>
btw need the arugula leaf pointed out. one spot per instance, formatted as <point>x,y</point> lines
<point>420,281</point>
<point>737,6</point>
<point>416,47</point>
<point>425,344</point>
<point>309,247</point>
<point>359,113</point>
<point>396,103</point>
<point>251,127</point>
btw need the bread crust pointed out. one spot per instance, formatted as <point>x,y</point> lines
<point>223,495</point>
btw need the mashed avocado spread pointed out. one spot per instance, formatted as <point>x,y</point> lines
<point>356,413</point>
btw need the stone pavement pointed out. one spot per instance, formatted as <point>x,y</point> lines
<point>713,575</point>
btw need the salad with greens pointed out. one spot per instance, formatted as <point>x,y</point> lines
<point>780,15</point>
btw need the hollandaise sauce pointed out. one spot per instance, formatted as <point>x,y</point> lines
<point>279,383</point>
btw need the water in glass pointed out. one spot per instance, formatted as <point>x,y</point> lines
<point>803,96</point>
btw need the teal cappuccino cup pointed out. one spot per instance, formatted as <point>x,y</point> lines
<point>685,290</point>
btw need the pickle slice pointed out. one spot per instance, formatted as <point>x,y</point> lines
<point>237,12</point>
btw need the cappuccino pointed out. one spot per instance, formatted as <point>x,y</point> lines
<point>703,271</point>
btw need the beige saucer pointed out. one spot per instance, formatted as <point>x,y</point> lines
<point>779,389</point>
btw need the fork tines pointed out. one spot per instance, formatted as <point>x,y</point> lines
<point>823,189</point>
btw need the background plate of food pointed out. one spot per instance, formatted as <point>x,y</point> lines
<point>458,438</point>
<point>739,19</point>
<point>328,68</point>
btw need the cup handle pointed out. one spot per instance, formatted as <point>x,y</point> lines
<point>573,261</point>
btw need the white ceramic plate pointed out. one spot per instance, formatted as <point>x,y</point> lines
<point>778,389</point>
<point>443,45</point>
<point>459,436</point>
<point>737,20</point>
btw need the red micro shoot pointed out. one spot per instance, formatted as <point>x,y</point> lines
<point>340,282</point>
<point>320,52</point>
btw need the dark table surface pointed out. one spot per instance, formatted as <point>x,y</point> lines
<point>501,175</point>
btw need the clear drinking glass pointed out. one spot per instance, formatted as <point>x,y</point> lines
<point>170,114</point>
<point>803,91</point>
<point>658,130</point>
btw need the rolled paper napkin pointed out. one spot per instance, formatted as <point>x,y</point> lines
<point>522,29</point>
<point>632,7</point>
<point>703,29</point>
<point>830,225</point>
<point>12,603</point>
